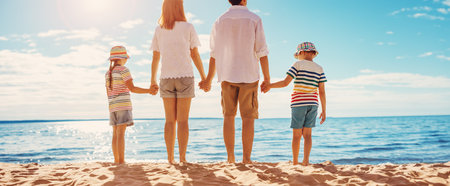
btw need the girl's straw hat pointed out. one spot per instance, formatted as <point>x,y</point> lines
<point>118,52</point>
<point>306,46</point>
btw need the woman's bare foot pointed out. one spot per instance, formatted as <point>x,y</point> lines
<point>172,162</point>
<point>231,160</point>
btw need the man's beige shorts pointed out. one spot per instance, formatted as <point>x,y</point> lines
<point>244,93</point>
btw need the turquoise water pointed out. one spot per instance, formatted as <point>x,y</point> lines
<point>371,140</point>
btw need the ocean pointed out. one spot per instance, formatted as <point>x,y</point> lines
<point>359,140</point>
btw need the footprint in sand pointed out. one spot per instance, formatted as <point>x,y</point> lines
<point>39,182</point>
<point>103,177</point>
<point>59,174</point>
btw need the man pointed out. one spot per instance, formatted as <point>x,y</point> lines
<point>237,44</point>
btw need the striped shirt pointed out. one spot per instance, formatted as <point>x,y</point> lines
<point>119,96</point>
<point>307,75</point>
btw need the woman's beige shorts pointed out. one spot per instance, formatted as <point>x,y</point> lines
<point>177,88</point>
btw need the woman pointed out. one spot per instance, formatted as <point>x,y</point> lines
<point>176,41</point>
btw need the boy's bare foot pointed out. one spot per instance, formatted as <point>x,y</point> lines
<point>247,162</point>
<point>295,162</point>
<point>172,162</point>
<point>305,163</point>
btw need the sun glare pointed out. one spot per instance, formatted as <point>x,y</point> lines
<point>96,6</point>
<point>88,13</point>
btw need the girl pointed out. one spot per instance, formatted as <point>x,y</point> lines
<point>119,83</point>
<point>176,41</point>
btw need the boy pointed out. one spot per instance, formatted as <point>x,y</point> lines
<point>308,77</point>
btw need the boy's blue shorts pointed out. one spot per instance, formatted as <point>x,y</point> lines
<point>304,116</point>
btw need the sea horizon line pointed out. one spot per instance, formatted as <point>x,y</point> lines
<point>198,118</point>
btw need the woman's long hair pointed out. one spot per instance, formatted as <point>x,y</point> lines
<point>172,10</point>
<point>113,63</point>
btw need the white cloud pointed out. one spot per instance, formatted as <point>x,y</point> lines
<point>204,41</point>
<point>443,10</point>
<point>393,80</point>
<point>444,57</point>
<point>389,32</point>
<point>380,43</point>
<point>3,38</point>
<point>427,16</point>
<point>388,94</point>
<point>52,33</point>
<point>87,34</point>
<point>197,22</point>
<point>131,23</point>
<point>426,54</point>
<point>446,2</point>
<point>134,51</point>
<point>143,62</point>
<point>256,11</point>
<point>422,8</point>
<point>400,57</point>
<point>191,18</point>
<point>54,87</point>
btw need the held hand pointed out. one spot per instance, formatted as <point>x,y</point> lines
<point>323,116</point>
<point>154,89</point>
<point>265,86</point>
<point>205,85</point>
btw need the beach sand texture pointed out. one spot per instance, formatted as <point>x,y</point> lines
<point>283,173</point>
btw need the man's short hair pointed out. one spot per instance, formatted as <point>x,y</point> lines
<point>235,2</point>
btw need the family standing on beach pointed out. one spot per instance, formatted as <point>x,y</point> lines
<point>238,49</point>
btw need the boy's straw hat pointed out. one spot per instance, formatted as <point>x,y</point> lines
<point>118,52</point>
<point>306,46</point>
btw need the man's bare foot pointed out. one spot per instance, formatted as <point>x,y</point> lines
<point>247,162</point>
<point>295,162</point>
<point>172,162</point>
<point>305,163</point>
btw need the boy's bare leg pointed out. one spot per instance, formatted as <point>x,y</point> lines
<point>228,137</point>
<point>248,132</point>
<point>121,142</point>
<point>169,128</point>
<point>114,145</point>
<point>296,138</point>
<point>307,146</point>
<point>183,106</point>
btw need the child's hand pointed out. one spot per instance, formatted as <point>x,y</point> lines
<point>265,87</point>
<point>323,116</point>
<point>154,89</point>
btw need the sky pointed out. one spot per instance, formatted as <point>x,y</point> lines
<point>381,58</point>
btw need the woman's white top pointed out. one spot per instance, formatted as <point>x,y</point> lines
<point>174,46</point>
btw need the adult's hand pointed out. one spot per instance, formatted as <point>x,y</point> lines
<point>265,86</point>
<point>154,89</point>
<point>205,85</point>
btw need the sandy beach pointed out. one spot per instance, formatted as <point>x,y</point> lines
<point>283,173</point>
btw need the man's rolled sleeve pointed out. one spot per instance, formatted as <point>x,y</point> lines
<point>261,49</point>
